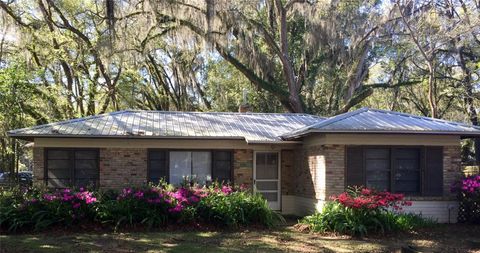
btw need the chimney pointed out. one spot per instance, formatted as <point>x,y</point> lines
<point>244,106</point>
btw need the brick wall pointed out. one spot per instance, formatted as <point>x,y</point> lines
<point>322,172</point>
<point>121,167</point>
<point>451,167</point>
<point>243,167</point>
<point>38,166</point>
<point>335,169</point>
<point>287,172</point>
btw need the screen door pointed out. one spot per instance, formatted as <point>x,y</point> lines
<point>267,177</point>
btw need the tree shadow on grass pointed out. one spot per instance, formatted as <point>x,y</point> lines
<point>450,238</point>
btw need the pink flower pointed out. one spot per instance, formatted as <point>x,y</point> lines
<point>176,209</point>
<point>138,194</point>
<point>366,191</point>
<point>226,190</point>
<point>243,187</point>
<point>90,200</point>
<point>76,205</point>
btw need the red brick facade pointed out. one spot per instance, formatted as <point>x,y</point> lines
<point>38,166</point>
<point>321,171</point>
<point>315,172</point>
<point>121,167</point>
<point>243,167</point>
<point>452,170</point>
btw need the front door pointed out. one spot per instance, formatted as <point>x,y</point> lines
<point>267,177</point>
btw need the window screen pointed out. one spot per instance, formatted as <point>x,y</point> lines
<point>407,170</point>
<point>377,167</point>
<point>157,165</point>
<point>396,169</point>
<point>71,167</point>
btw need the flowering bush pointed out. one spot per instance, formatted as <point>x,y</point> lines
<point>468,193</point>
<point>151,206</point>
<point>364,198</point>
<point>359,211</point>
<point>34,208</point>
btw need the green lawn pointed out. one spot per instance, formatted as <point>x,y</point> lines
<point>442,238</point>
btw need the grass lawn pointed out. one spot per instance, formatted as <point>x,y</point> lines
<point>441,238</point>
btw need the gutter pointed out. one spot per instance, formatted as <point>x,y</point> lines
<point>460,133</point>
<point>153,137</point>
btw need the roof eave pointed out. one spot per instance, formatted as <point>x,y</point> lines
<point>462,134</point>
<point>32,136</point>
<point>274,142</point>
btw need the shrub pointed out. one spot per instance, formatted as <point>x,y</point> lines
<point>21,208</point>
<point>468,193</point>
<point>151,206</point>
<point>360,211</point>
<point>234,208</point>
<point>146,206</point>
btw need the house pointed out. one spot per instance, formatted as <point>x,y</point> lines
<point>295,160</point>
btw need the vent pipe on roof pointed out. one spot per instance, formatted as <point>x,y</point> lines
<point>244,106</point>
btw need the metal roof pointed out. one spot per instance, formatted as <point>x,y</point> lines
<point>367,120</point>
<point>253,127</point>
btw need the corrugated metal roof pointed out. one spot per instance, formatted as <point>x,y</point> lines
<point>253,127</point>
<point>367,120</point>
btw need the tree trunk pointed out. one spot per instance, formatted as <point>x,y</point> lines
<point>468,99</point>
<point>431,90</point>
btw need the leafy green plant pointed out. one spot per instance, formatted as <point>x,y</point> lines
<point>150,206</point>
<point>360,211</point>
<point>237,208</point>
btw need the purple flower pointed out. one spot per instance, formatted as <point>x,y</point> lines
<point>76,205</point>
<point>176,209</point>
<point>49,197</point>
<point>153,201</point>
<point>193,199</point>
<point>138,194</point>
<point>67,197</point>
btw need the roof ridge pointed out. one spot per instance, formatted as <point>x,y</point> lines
<point>328,121</point>
<point>340,117</point>
<point>59,123</point>
<point>238,113</point>
<point>403,114</point>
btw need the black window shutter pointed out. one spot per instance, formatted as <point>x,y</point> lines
<point>157,165</point>
<point>355,171</point>
<point>433,177</point>
<point>222,165</point>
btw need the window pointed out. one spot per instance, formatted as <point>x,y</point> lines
<point>71,167</point>
<point>407,177</point>
<point>408,170</point>
<point>195,166</point>
<point>377,166</point>
<point>202,167</point>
